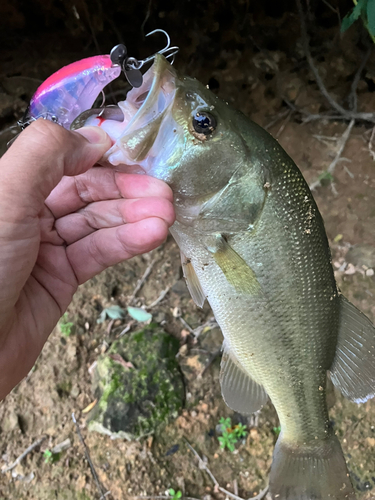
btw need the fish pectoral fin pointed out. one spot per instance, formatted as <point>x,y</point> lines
<point>353,368</point>
<point>237,272</point>
<point>192,281</point>
<point>240,392</point>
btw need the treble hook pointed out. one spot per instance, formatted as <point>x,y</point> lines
<point>162,51</point>
<point>131,66</point>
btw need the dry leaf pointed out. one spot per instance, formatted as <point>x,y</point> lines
<point>90,406</point>
<point>117,358</point>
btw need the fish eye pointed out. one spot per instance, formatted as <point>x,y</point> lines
<point>204,123</point>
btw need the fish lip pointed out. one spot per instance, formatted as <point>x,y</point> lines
<point>154,81</point>
<point>159,87</point>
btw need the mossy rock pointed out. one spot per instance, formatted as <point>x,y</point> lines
<point>132,402</point>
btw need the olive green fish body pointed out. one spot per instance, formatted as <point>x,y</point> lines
<point>285,334</point>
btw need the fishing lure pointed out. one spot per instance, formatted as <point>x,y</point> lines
<point>73,89</point>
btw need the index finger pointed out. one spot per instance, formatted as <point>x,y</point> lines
<point>100,184</point>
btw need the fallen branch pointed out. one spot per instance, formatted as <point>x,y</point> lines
<point>203,466</point>
<point>277,118</point>
<point>344,113</point>
<point>28,450</point>
<point>99,486</point>
<point>186,325</point>
<point>142,281</point>
<point>342,144</point>
<point>370,148</point>
<point>353,100</point>
<point>159,299</point>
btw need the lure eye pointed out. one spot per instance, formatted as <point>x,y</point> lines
<point>204,123</point>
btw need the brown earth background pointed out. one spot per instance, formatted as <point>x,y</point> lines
<point>250,53</point>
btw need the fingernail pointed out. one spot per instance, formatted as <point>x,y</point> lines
<point>94,135</point>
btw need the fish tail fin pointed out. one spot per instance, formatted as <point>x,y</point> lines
<point>316,472</point>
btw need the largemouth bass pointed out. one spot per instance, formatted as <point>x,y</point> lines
<point>253,244</point>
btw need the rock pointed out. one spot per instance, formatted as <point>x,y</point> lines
<point>10,422</point>
<point>193,365</point>
<point>132,402</point>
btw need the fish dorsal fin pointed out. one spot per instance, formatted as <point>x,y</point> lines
<point>192,281</point>
<point>237,272</point>
<point>240,392</point>
<point>353,369</point>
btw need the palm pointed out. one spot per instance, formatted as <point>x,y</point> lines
<point>87,224</point>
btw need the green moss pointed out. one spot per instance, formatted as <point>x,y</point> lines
<point>136,401</point>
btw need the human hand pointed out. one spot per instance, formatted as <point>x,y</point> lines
<point>61,223</point>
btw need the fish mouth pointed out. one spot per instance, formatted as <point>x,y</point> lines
<point>144,110</point>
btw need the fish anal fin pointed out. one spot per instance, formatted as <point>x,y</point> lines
<point>237,272</point>
<point>240,392</point>
<point>353,368</point>
<point>192,281</point>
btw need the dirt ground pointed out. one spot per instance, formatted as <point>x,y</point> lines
<point>257,82</point>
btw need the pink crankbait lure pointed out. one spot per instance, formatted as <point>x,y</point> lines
<point>73,89</point>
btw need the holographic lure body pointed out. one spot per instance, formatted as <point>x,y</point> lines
<point>71,90</point>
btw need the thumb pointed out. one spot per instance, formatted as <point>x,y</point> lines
<point>40,157</point>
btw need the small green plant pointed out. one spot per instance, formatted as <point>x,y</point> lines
<point>49,457</point>
<point>175,495</point>
<point>230,435</point>
<point>65,325</point>
<point>325,176</point>
<point>276,431</point>
<point>364,9</point>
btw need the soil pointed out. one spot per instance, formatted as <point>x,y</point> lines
<point>257,78</point>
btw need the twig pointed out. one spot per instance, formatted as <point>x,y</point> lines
<point>88,458</point>
<point>330,7</point>
<point>277,118</point>
<point>281,129</point>
<point>28,450</point>
<point>351,175</point>
<point>159,299</point>
<point>370,148</point>
<point>353,100</point>
<point>331,168</point>
<point>126,329</point>
<point>211,324</point>
<point>345,114</point>
<point>203,466</point>
<point>310,116</point>
<point>344,140</point>
<point>142,280</point>
<point>186,325</point>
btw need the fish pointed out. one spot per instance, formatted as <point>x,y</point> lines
<point>253,245</point>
